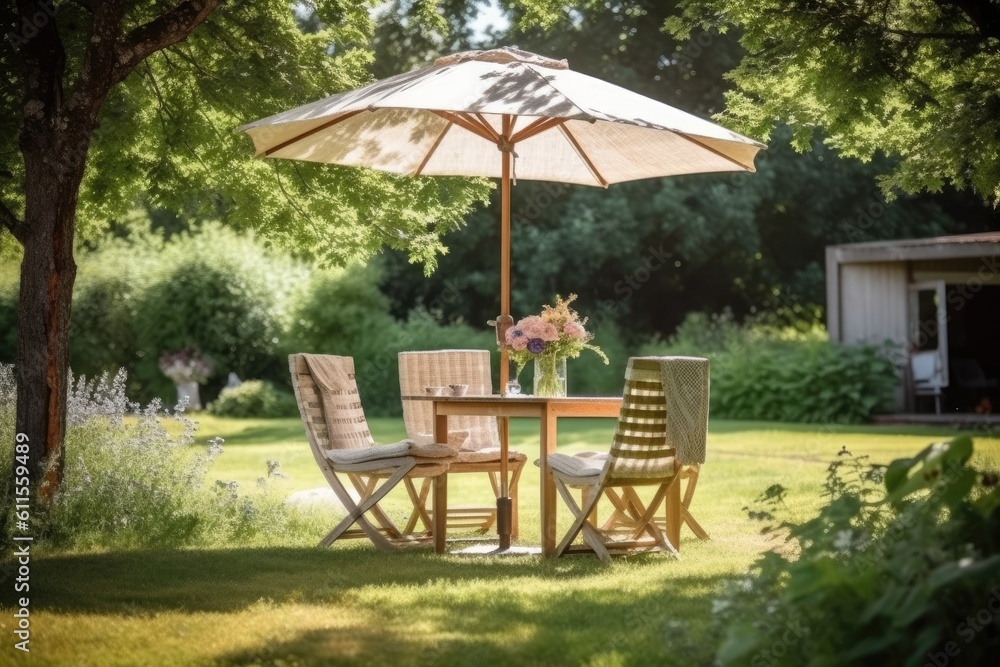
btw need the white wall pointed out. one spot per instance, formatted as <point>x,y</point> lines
<point>873,302</point>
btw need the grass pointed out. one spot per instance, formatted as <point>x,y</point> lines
<point>298,605</point>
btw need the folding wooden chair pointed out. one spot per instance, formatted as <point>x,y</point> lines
<point>624,513</point>
<point>661,431</point>
<point>476,440</point>
<point>338,434</point>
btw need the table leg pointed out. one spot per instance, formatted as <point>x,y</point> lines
<point>440,523</point>
<point>673,510</point>
<point>503,501</point>
<point>440,512</point>
<point>547,492</point>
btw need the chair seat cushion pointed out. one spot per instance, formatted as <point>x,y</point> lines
<point>576,466</point>
<point>487,455</point>
<point>430,451</point>
<point>395,450</point>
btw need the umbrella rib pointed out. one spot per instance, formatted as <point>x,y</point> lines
<point>486,126</point>
<point>309,133</point>
<point>539,126</point>
<point>713,150</point>
<point>464,124</point>
<point>583,156</point>
<point>434,147</point>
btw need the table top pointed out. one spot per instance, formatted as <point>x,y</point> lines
<point>520,405</point>
<point>520,398</point>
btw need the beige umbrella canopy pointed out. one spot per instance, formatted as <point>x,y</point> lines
<point>505,113</point>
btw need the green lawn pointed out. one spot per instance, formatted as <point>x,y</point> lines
<point>297,605</point>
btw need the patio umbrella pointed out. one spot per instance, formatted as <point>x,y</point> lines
<point>505,113</point>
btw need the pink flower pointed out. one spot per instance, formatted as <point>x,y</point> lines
<point>575,330</point>
<point>535,327</point>
<point>515,338</point>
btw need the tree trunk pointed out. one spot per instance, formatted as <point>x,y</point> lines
<point>53,169</point>
<point>57,126</point>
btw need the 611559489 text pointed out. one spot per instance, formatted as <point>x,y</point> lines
<point>22,543</point>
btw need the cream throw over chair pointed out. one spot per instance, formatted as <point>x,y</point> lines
<point>335,425</point>
<point>476,440</point>
<point>661,433</point>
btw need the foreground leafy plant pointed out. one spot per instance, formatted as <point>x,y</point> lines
<point>901,575</point>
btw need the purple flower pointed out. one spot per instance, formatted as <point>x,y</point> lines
<point>536,345</point>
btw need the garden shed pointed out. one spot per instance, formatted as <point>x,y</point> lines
<point>938,300</point>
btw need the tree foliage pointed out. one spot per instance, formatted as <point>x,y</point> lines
<point>913,79</point>
<point>166,134</point>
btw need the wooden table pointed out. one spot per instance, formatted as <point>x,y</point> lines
<point>547,411</point>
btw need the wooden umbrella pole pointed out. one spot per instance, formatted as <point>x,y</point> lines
<point>505,320</point>
<point>503,323</point>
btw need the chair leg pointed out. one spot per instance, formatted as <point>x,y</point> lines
<point>692,482</point>
<point>646,520</point>
<point>419,501</point>
<point>365,490</point>
<point>590,534</point>
<point>622,511</point>
<point>514,478</point>
<point>356,512</point>
<point>694,525</point>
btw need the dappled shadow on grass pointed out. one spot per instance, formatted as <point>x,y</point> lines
<point>607,628</point>
<point>667,623</point>
<point>225,580</point>
<point>278,430</point>
<point>406,608</point>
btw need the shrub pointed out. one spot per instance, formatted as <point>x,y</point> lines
<point>110,283</point>
<point>256,399</point>
<point>343,312</point>
<point>785,374</point>
<point>890,578</point>
<point>222,295</point>
<point>133,478</point>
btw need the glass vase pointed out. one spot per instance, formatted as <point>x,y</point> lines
<point>550,376</point>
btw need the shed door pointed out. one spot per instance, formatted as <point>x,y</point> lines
<point>928,322</point>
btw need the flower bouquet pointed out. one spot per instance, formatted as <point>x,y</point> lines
<point>188,370</point>
<point>549,339</point>
<point>185,366</point>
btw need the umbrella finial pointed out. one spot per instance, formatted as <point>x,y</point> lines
<point>505,54</point>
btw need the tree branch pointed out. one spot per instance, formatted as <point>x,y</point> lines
<point>984,15</point>
<point>964,36</point>
<point>14,225</point>
<point>163,31</point>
